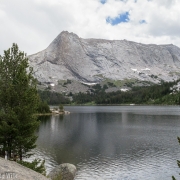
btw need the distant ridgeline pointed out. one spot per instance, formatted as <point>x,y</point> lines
<point>104,71</point>
<point>95,60</point>
<point>165,93</point>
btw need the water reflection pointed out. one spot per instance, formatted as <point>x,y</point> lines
<point>113,142</point>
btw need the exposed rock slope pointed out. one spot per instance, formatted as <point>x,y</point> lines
<point>91,60</point>
<point>13,170</point>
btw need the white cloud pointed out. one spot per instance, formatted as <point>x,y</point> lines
<point>33,24</point>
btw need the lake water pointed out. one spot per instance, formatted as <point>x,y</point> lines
<point>113,142</point>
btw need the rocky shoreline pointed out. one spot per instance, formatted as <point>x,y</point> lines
<point>15,171</point>
<point>54,112</point>
<point>59,112</point>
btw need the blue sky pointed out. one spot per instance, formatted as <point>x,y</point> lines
<point>33,24</point>
<point>103,1</point>
<point>142,21</point>
<point>121,18</point>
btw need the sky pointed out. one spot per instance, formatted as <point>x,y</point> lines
<point>34,24</point>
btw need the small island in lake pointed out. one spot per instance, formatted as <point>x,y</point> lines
<point>46,110</point>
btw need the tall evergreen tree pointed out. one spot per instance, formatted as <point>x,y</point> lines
<point>18,103</point>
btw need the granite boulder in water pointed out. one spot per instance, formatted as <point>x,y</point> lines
<point>64,171</point>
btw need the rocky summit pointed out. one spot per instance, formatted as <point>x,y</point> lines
<point>93,60</point>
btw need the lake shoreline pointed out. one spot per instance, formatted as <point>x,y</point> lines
<point>53,113</point>
<point>119,105</point>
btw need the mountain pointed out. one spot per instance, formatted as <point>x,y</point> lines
<point>95,60</point>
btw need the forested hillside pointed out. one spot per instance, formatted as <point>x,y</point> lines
<point>155,94</point>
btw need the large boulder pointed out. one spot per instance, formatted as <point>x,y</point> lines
<point>64,171</point>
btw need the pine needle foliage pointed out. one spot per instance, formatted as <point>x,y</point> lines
<point>36,165</point>
<point>18,104</point>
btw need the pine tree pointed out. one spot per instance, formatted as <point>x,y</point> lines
<point>18,104</point>
<point>61,108</point>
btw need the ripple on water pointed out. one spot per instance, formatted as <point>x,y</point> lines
<point>142,165</point>
<point>50,163</point>
<point>114,143</point>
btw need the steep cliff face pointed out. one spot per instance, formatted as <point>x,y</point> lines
<point>92,60</point>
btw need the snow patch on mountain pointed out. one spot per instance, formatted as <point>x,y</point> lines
<point>92,60</point>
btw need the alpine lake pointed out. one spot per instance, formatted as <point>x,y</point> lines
<point>113,142</point>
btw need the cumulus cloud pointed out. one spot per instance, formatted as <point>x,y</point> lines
<point>33,24</point>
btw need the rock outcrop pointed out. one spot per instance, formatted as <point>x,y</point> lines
<point>63,172</point>
<point>92,60</point>
<point>15,171</point>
